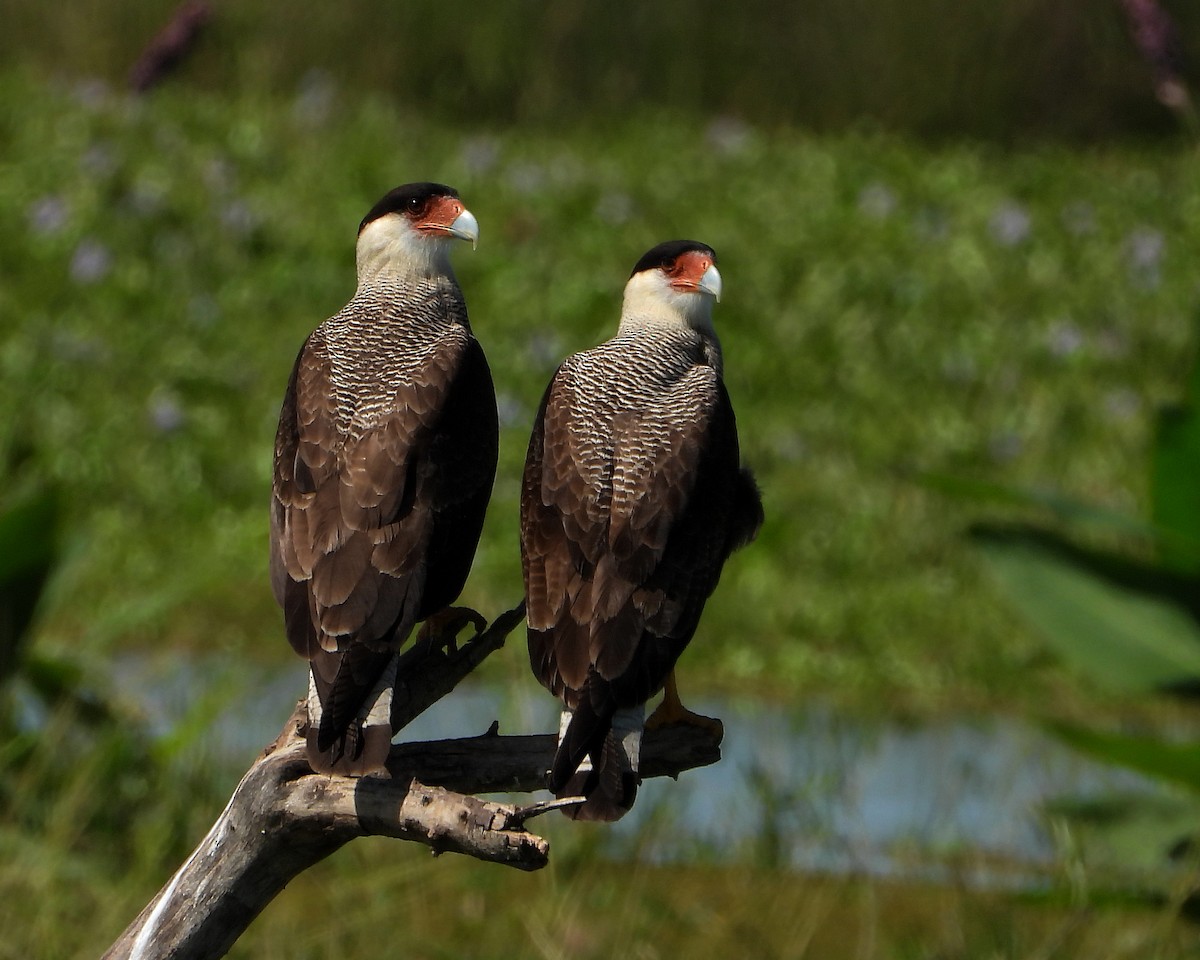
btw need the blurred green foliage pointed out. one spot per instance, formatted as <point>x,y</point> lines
<point>62,734</point>
<point>890,310</point>
<point>944,68</point>
<point>1129,622</point>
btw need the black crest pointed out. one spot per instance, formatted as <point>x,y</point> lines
<point>666,254</point>
<point>409,198</point>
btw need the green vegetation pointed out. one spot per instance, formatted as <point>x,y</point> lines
<point>943,68</point>
<point>890,310</point>
<point>893,311</point>
<point>1130,622</point>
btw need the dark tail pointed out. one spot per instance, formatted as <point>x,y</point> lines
<point>608,776</point>
<point>349,707</point>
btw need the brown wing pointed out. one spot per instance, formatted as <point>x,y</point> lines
<point>374,524</point>
<point>621,550</point>
<point>564,500</point>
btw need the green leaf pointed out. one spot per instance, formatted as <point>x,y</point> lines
<point>28,548</point>
<point>1175,490</point>
<point>27,536</point>
<point>1173,762</point>
<point>1129,636</point>
<point>1064,508</point>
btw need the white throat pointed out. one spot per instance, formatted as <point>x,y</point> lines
<point>651,301</point>
<point>389,248</point>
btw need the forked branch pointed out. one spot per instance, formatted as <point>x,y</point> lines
<point>283,818</point>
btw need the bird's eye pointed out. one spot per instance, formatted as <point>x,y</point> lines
<point>416,205</point>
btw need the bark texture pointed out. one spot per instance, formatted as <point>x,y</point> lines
<point>283,818</point>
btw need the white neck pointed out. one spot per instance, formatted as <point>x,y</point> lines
<point>651,301</point>
<point>389,248</point>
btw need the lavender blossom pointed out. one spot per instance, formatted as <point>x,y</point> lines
<point>1005,447</point>
<point>480,155</point>
<point>47,215</point>
<point>92,93</point>
<point>1122,403</point>
<point>510,411</point>
<point>314,99</point>
<point>1157,39</point>
<point>1010,224</point>
<point>526,177</point>
<point>91,262</point>
<point>1064,339</point>
<point>98,160</point>
<point>1079,219</point>
<point>165,413</point>
<point>238,219</point>
<point>729,135</point>
<point>614,208</point>
<point>1144,250</point>
<point>876,201</point>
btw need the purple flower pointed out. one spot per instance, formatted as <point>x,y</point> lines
<point>219,175</point>
<point>1004,447</point>
<point>314,99</point>
<point>1144,250</point>
<point>728,135</point>
<point>91,262</point>
<point>543,350</point>
<point>509,410</point>
<point>1009,224</point>
<point>1064,339</point>
<point>876,201</point>
<point>203,311</point>
<point>614,208</point>
<point>98,160</point>
<point>1157,39</point>
<point>47,215</point>
<point>91,93</point>
<point>166,416</point>
<point>145,197</point>
<point>1122,403</point>
<point>1079,219</point>
<point>789,446</point>
<point>480,154</point>
<point>238,218</point>
<point>526,177</point>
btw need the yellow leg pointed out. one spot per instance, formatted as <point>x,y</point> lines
<point>442,628</point>
<point>672,710</point>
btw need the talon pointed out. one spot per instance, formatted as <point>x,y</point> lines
<point>441,630</point>
<point>672,711</point>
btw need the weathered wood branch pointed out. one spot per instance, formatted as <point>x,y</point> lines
<point>283,818</point>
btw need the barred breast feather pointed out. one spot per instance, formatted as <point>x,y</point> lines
<point>384,461</point>
<point>633,497</point>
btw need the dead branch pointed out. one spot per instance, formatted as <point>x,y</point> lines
<point>283,818</point>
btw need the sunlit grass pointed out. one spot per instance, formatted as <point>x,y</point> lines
<point>373,895</point>
<point>890,310</point>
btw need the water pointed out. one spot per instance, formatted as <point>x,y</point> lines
<point>804,788</point>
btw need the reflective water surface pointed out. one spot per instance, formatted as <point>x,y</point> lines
<point>804,788</point>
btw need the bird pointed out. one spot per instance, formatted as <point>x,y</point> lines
<point>633,496</point>
<point>384,462</point>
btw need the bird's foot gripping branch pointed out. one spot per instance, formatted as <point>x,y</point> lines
<point>283,818</point>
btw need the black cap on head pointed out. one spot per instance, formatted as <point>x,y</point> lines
<point>409,198</point>
<point>666,253</point>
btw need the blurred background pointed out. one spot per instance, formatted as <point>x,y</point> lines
<point>958,669</point>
